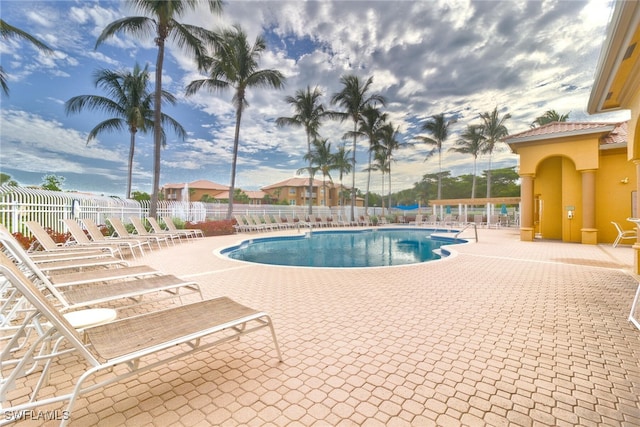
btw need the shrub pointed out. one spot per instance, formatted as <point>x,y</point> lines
<point>24,241</point>
<point>213,228</point>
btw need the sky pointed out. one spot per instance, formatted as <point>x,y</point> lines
<point>456,57</point>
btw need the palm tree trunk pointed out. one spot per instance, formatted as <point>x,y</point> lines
<point>389,204</point>
<point>132,146</point>
<point>236,139</point>
<point>489,179</point>
<point>310,175</point>
<point>366,196</point>
<point>439,173</point>
<point>157,129</point>
<point>473,180</point>
<point>353,177</point>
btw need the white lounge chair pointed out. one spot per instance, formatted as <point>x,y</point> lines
<point>97,236</point>
<point>171,226</point>
<point>112,351</point>
<point>141,230</point>
<point>121,232</point>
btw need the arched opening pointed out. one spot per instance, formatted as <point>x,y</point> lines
<point>558,200</point>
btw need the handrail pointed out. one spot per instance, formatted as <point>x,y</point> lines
<point>475,229</point>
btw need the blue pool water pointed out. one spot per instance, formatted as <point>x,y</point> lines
<point>350,248</point>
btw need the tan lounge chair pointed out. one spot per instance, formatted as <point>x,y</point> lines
<point>623,234</point>
<point>133,344</point>
<point>81,238</point>
<point>142,231</point>
<point>49,245</point>
<point>157,229</point>
<point>172,227</point>
<point>97,236</point>
<point>121,232</point>
<point>101,287</point>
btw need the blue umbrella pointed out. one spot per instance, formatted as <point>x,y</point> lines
<point>503,209</point>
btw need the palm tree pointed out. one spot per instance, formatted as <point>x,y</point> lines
<point>8,32</point>
<point>324,161</point>
<point>550,116</point>
<point>309,111</point>
<point>471,141</point>
<point>343,166</point>
<point>163,23</point>
<point>390,143</point>
<point>130,103</point>
<point>438,127</point>
<point>371,120</point>
<point>235,65</point>
<point>380,163</point>
<point>493,129</point>
<point>353,98</point>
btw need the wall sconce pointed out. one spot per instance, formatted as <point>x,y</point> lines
<point>625,180</point>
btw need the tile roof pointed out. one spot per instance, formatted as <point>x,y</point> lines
<point>201,184</point>
<point>297,182</point>
<point>616,132</point>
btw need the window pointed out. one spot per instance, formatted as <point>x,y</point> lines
<point>292,202</point>
<point>292,190</point>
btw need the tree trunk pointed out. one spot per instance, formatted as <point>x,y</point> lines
<point>353,177</point>
<point>236,139</point>
<point>132,146</point>
<point>157,130</point>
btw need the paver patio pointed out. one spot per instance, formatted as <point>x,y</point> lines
<point>502,332</point>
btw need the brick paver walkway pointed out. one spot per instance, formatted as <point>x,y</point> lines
<point>502,332</point>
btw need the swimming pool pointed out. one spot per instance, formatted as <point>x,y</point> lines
<point>347,248</point>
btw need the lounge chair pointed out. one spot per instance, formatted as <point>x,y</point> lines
<point>194,232</point>
<point>97,236</point>
<point>49,245</point>
<point>121,232</point>
<point>81,238</point>
<point>241,225</point>
<point>141,230</point>
<point>103,287</point>
<point>281,223</point>
<point>623,234</point>
<point>125,343</point>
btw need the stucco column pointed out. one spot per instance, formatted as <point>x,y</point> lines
<point>589,232</point>
<point>526,212</point>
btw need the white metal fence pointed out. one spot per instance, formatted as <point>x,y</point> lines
<point>49,208</point>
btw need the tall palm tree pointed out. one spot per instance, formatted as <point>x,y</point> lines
<point>390,144</point>
<point>438,127</point>
<point>235,65</point>
<point>549,116</point>
<point>10,32</point>
<point>130,103</point>
<point>380,163</point>
<point>309,112</point>
<point>343,166</point>
<point>353,98</point>
<point>471,141</point>
<point>371,120</point>
<point>493,129</point>
<point>162,22</point>
<point>324,161</point>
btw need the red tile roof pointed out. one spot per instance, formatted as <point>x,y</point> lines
<point>297,182</point>
<point>615,132</point>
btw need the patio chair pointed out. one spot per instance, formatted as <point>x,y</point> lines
<point>97,236</point>
<point>81,238</point>
<point>101,288</point>
<point>193,232</point>
<point>156,228</point>
<point>623,234</point>
<point>241,224</point>
<point>133,344</point>
<point>121,232</point>
<point>47,244</point>
<point>141,230</point>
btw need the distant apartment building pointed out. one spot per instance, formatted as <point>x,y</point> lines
<point>194,191</point>
<point>295,192</point>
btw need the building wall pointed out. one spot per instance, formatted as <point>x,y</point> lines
<point>613,197</point>
<point>558,184</point>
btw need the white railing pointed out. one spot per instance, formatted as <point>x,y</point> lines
<point>49,208</point>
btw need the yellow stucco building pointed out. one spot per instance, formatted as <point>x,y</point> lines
<point>617,83</point>
<point>575,180</point>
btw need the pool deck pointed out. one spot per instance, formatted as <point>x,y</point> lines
<point>502,332</point>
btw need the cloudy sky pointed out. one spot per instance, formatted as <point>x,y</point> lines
<point>456,57</point>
